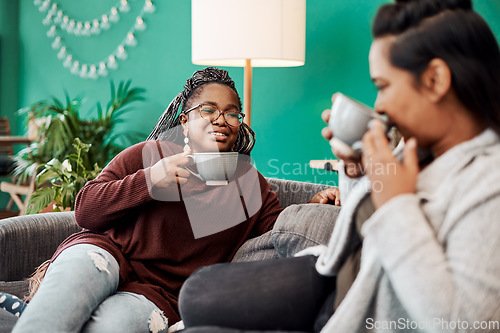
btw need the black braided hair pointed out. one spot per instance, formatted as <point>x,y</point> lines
<point>169,127</point>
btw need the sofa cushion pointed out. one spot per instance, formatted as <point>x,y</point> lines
<point>302,226</point>
<point>258,248</point>
<point>17,288</point>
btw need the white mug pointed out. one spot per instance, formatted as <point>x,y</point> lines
<point>349,121</point>
<point>215,168</point>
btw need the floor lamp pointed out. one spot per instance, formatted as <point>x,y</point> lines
<point>248,33</point>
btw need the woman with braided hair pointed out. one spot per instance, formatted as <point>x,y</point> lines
<point>169,120</point>
<point>123,272</point>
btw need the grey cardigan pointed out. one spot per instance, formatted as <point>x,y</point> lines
<point>430,261</point>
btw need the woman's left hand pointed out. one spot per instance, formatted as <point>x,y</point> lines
<point>388,176</point>
<point>328,196</point>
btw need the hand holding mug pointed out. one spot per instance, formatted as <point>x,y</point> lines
<point>389,176</point>
<point>350,120</point>
<point>353,166</point>
<point>170,171</point>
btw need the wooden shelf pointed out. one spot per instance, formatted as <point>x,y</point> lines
<point>10,140</point>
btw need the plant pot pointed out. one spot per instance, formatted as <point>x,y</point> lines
<point>51,206</point>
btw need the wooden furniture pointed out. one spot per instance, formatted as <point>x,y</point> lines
<point>19,193</point>
<point>8,141</point>
<point>5,147</point>
<point>328,165</point>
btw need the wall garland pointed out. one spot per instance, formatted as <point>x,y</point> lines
<point>59,21</point>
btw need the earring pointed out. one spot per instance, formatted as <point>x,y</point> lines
<point>186,141</point>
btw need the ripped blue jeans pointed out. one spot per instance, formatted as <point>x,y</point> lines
<point>79,294</point>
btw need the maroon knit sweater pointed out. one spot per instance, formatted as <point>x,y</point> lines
<point>153,240</point>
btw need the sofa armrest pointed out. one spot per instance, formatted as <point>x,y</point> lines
<point>292,192</point>
<point>27,241</point>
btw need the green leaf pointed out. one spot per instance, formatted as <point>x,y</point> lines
<point>40,199</point>
<point>120,91</point>
<point>46,175</point>
<point>99,111</point>
<point>126,90</point>
<point>73,157</point>
<point>57,104</point>
<point>55,163</point>
<point>68,195</point>
<point>112,84</point>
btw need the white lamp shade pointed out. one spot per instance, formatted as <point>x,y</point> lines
<point>228,32</point>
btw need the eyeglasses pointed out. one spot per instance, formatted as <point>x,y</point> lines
<point>209,112</point>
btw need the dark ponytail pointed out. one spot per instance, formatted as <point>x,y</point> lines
<point>449,30</point>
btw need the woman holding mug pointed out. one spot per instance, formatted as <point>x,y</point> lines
<point>123,272</point>
<point>414,248</point>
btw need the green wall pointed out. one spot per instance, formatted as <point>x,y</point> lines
<point>9,58</point>
<point>9,67</point>
<point>287,102</point>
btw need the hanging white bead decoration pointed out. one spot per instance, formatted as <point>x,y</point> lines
<point>53,9</point>
<point>124,7</point>
<point>96,30</point>
<point>78,29</point>
<point>92,74</point>
<point>86,29</point>
<point>68,62</point>
<point>121,53</point>
<point>59,16</point>
<point>131,41</point>
<point>105,22</point>
<point>139,24</point>
<point>75,68</point>
<point>56,44</point>
<point>149,7</point>
<point>56,15</point>
<point>56,18</point>
<point>114,16</point>
<point>47,20</point>
<point>112,62</point>
<point>51,33</point>
<point>71,26</point>
<point>83,71</point>
<point>45,5</point>
<point>65,21</point>
<point>62,53</point>
<point>102,71</point>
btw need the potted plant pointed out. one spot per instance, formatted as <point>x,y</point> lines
<point>68,151</point>
<point>65,179</point>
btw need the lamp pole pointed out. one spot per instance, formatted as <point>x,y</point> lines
<point>247,91</point>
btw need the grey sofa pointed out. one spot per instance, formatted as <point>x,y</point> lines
<point>27,241</point>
